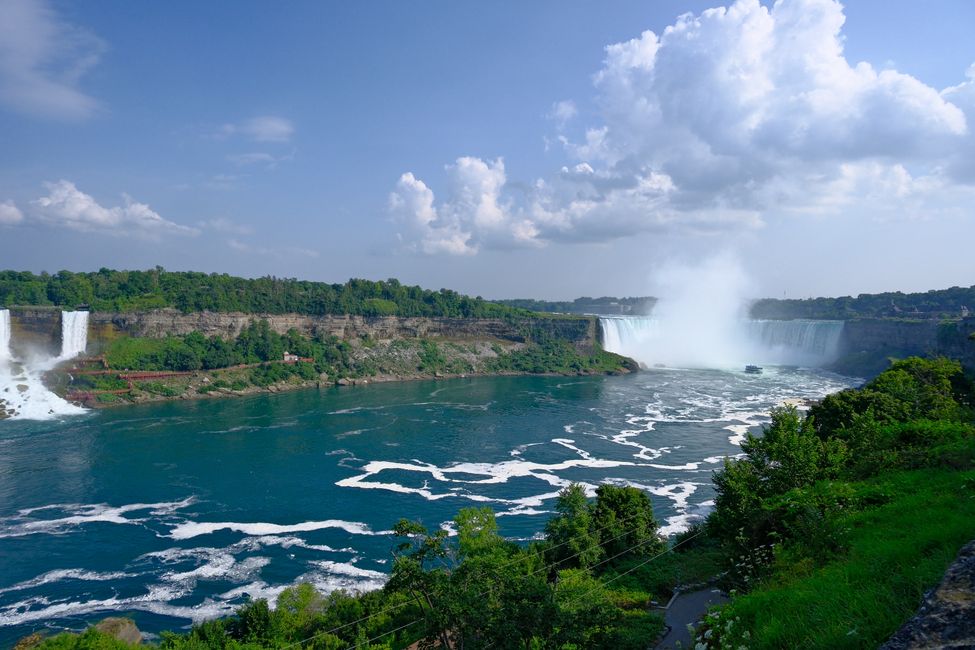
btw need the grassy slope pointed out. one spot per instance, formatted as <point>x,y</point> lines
<point>893,553</point>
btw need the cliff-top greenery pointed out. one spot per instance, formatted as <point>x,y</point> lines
<point>940,303</point>
<point>109,290</point>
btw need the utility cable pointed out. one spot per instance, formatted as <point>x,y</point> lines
<point>515,560</point>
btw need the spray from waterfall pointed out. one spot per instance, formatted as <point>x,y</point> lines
<point>23,395</point>
<point>701,321</point>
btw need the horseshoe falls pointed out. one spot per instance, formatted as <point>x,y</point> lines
<point>716,344</point>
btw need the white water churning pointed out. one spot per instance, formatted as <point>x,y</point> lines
<point>652,341</point>
<point>23,395</point>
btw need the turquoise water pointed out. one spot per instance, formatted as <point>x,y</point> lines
<point>179,511</point>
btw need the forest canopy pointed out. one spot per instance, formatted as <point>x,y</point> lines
<point>110,290</point>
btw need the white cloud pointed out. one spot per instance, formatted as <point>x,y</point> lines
<point>264,128</point>
<point>10,214</point>
<point>563,112</point>
<point>724,120</point>
<point>474,214</point>
<point>66,206</point>
<point>42,61</point>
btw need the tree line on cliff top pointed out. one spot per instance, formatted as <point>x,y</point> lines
<point>109,290</point>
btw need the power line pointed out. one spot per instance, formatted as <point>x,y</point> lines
<point>634,568</point>
<point>587,593</point>
<point>376,638</point>
<point>504,565</point>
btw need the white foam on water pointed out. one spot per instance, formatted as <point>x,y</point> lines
<point>24,524</point>
<point>220,566</point>
<point>190,529</point>
<point>61,575</point>
<point>341,568</point>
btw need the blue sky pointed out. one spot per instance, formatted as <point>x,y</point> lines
<point>542,149</point>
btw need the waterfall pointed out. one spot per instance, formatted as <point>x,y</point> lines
<point>810,339</point>
<point>74,334</point>
<point>23,395</point>
<point>4,334</point>
<point>718,345</point>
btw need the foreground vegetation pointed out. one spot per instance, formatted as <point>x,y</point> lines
<point>109,290</point>
<point>826,531</point>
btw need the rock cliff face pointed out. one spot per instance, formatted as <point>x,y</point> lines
<point>42,327</point>
<point>867,344</point>
<point>35,328</point>
<point>580,331</point>
<point>946,618</point>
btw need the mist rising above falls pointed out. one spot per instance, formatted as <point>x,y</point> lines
<point>701,321</point>
<point>710,344</point>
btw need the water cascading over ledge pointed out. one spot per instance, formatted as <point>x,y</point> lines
<point>23,394</point>
<point>74,334</point>
<point>651,341</point>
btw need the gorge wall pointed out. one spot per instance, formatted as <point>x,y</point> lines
<point>41,327</point>
<point>868,344</point>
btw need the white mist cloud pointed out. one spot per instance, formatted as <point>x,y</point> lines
<point>66,206</point>
<point>724,120</point>
<point>10,214</point>
<point>42,61</point>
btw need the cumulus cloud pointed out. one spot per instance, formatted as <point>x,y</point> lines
<point>473,215</point>
<point>42,61</point>
<point>10,214</point>
<point>723,120</point>
<point>66,206</point>
<point>264,128</point>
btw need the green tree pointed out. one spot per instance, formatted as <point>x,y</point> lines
<point>571,533</point>
<point>624,518</point>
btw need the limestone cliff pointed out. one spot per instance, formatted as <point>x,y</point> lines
<point>41,327</point>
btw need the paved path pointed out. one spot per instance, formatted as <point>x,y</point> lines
<point>687,609</point>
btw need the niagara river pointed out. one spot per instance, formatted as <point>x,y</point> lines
<point>176,512</point>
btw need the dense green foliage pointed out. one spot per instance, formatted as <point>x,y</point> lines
<point>259,344</point>
<point>474,591</point>
<point>109,290</point>
<point>586,305</point>
<point>942,303</point>
<point>835,524</point>
<point>255,344</point>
